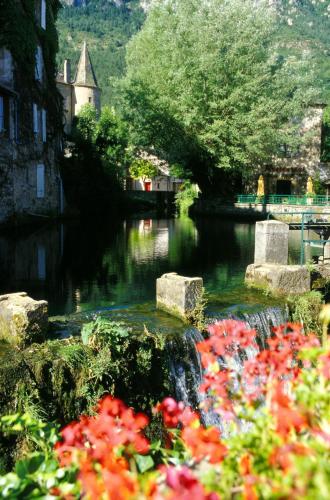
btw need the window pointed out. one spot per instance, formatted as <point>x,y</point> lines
<point>89,99</point>
<point>43,14</point>
<point>6,67</point>
<point>4,115</point>
<point>38,64</point>
<point>40,181</point>
<point>44,125</point>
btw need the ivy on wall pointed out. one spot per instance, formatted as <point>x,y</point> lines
<point>21,34</point>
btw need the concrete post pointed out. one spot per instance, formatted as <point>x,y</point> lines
<point>178,295</point>
<point>271,242</point>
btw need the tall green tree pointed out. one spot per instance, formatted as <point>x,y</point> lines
<point>207,87</point>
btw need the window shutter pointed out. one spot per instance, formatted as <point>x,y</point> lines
<point>40,181</point>
<point>2,114</point>
<point>35,119</point>
<point>38,64</point>
<point>44,125</point>
<point>43,14</point>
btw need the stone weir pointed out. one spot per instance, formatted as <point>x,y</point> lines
<point>271,271</point>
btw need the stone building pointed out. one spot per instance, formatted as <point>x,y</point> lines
<point>83,89</point>
<point>30,112</point>
<point>289,171</point>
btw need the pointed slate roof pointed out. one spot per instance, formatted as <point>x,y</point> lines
<point>85,72</point>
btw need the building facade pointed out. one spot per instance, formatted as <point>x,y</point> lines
<point>82,89</point>
<point>163,181</point>
<point>30,111</point>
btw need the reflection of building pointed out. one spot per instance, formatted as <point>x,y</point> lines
<point>149,239</point>
<point>82,90</point>
<point>163,181</point>
<point>289,172</point>
<point>30,112</point>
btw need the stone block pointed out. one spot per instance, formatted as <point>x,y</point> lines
<point>22,319</point>
<point>281,280</point>
<point>178,295</point>
<point>271,242</point>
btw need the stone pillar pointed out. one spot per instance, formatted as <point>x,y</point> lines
<point>327,253</point>
<point>22,319</point>
<point>271,242</point>
<point>178,295</point>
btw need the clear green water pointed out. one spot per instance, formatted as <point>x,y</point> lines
<point>111,266</point>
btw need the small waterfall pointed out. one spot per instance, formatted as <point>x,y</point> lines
<point>184,359</point>
<point>186,372</point>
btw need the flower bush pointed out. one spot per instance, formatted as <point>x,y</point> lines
<point>274,440</point>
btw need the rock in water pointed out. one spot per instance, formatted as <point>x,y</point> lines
<point>179,295</point>
<point>22,319</point>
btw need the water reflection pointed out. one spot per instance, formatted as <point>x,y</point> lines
<point>81,267</point>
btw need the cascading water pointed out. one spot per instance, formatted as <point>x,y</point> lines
<point>184,359</point>
<point>186,372</point>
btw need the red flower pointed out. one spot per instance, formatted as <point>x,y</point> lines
<point>287,417</point>
<point>183,485</point>
<point>93,443</point>
<point>175,413</point>
<point>325,363</point>
<point>204,443</point>
<point>282,456</point>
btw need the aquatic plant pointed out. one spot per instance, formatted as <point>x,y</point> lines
<point>275,412</point>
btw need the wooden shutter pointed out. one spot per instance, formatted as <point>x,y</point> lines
<point>38,64</point>
<point>2,114</point>
<point>40,181</point>
<point>35,119</point>
<point>43,14</point>
<point>44,125</point>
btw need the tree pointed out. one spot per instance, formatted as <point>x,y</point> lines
<point>93,173</point>
<point>206,87</point>
<point>111,142</point>
<point>142,169</point>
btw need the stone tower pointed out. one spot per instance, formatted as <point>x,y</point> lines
<point>82,90</point>
<point>85,83</point>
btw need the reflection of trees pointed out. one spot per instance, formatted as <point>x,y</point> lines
<point>184,241</point>
<point>102,263</point>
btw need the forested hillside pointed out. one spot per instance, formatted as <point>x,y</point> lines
<point>107,26</point>
<point>305,27</point>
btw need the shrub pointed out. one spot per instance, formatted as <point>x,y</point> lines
<point>274,442</point>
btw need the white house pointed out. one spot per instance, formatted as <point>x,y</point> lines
<point>164,181</point>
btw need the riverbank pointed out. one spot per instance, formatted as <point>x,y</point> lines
<point>217,207</point>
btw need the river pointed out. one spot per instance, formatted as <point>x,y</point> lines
<point>83,267</point>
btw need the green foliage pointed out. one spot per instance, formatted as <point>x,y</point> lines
<point>185,198</point>
<point>305,309</point>
<point>38,473</point>
<point>142,169</point>
<point>101,333</point>
<point>213,86</point>
<point>94,171</point>
<point>326,135</point>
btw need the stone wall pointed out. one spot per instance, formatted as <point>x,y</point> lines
<point>30,135</point>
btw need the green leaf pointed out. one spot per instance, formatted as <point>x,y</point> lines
<point>144,463</point>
